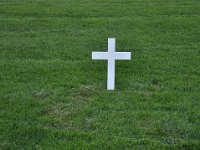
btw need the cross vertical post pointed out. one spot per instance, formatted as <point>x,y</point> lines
<point>111,64</point>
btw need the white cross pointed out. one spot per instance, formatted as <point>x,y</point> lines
<point>111,56</point>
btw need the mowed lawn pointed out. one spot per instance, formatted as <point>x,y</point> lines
<point>53,96</point>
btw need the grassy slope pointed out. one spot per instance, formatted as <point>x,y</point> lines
<point>52,95</point>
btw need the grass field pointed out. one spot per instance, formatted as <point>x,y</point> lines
<point>53,96</point>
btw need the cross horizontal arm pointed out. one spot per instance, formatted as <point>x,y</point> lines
<point>99,55</point>
<point>122,55</point>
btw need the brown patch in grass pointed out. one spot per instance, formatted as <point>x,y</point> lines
<point>59,111</point>
<point>39,95</point>
<point>60,115</point>
<point>83,92</point>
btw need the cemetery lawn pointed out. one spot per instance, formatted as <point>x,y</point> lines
<point>53,96</point>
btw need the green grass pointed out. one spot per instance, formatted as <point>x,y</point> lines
<point>53,96</point>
